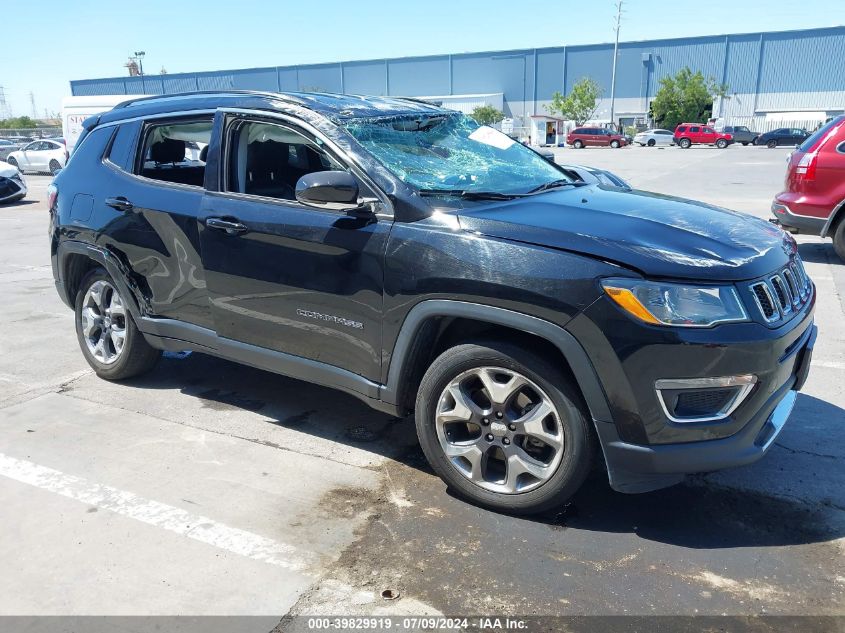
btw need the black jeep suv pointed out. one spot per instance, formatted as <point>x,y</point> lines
<point>404,254</point>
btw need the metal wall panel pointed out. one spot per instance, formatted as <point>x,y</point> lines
<point>419,76</point>
<point>365,78</point>
<point>148,84</point>
<point>215,81</point>
<point>323,78</point>
<point>549,73</point>
<point>256,79</point>
<point>179,83</point>
<point>743,62</point>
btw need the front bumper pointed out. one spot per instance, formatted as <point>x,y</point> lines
<point>12,189</point>
<point>637,468</point>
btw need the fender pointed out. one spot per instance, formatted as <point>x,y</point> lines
<point>831,221</point>
<point>108,261</point>
<point>568,345</point>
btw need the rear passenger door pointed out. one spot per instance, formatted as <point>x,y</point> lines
<point>153,195</point>
<point>285,276</point>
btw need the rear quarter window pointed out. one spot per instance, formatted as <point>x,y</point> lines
<point>122,150</point>
<point>681,128</point>
<point>92,147</point>
<point>819,134</point>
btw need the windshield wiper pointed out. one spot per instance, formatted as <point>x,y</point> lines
<point>465,194</point>
<point>554,184</point>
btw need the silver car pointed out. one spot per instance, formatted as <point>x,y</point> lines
<point>7,147</point>
<point>655,137</point>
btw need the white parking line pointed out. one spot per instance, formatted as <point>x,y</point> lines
<point>167,517</point>
<point>829,364</point>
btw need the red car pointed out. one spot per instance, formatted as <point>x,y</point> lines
<point>598,136</point>
<point>813,202</point>
<point>687,134</point>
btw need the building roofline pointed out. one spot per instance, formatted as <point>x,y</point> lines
<point>515,51</point>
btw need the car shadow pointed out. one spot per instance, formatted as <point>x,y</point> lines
<point>818,253</point>
<point>17,203</point>
<point>697,514</point>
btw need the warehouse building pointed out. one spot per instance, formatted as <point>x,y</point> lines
<point>774,79</point>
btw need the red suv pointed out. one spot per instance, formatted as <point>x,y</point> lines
<point>687,134</point>
<point>813,201</point>
<point>584,136</point>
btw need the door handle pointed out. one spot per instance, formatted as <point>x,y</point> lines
<point>120,203</point>
<point>232,227</point>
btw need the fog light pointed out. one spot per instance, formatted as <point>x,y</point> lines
<point>703,399</point>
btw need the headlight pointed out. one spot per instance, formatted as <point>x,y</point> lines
<point>675,304</point>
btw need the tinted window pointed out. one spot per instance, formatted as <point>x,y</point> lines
<point>122,145</point>
<point>579,130</point>
<point>681,128</point>
<point>780,131</point>
<point>166,155</point>
<point>694,129</point>
<point>708,130</point>
<point>268,159</point>
<point>820,133</point>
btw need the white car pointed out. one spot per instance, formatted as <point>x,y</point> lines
<point>12,184</point>
<point>655,137</point>
<point>46,155</point>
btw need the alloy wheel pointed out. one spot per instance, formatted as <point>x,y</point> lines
<point>103,318</point>
<point>499,429</point>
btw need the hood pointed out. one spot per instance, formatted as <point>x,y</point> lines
<point>7,171</point>
<point>660,236</point>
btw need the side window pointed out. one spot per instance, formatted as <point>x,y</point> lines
<point>167,153</point>
<point>694,130</point>
<point>267,159</point>
<point>682,129</point>
<point>122,145</point>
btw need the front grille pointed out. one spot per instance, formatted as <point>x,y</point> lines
<point>782,293</point>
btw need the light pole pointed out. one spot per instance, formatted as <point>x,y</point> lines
<point>615,55</point>
<point>140,56</point>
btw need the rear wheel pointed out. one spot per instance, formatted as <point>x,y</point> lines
<point>502,427</point>
<point>109,338</point>
<point>651,142</point>
<point>744,143</point>
<point>614,144</point>
<point>578,144</point>
<point>685,143</point>
<point>772,144</point>
<point>839,239</point>
<point>54,167</point>
<point>721,143</point>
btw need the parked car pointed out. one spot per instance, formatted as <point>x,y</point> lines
<point>783,136</point>
<point>654,137</point>
<point>40,156</point>
<point>7,147</point>
<point>741,134</point>
<point>688,134</point>
<point>400,252</point>
<point>595,137</point>
<point>813,201</point>
<point>12,184</point>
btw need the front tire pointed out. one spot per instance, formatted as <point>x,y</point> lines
<point>684,143</point>
<point>745,143</point>
<point>14,164</point>
<point>503,427</point>
<point>110,341</point>
<point>651,142</point>
<point>839,239</point>
<point>614,144</point>
<point>721,143</point>
<point>578,144</point>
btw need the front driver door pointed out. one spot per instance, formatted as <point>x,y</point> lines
<point>284,276</point>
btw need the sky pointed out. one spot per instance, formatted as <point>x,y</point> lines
<point>94,38</point>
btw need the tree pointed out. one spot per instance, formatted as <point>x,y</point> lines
<point>580,104</point>
<point>18,123</point>
<point>685,98</point>
<point>487,114</point>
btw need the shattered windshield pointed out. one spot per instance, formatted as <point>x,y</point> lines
<point>452,154</point>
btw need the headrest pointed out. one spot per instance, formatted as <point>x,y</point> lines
<point>168,150</point>
<point>204,154</point>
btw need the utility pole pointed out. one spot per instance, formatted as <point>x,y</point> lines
<point>32,104</point>
<point>5,109</point>
<point>140,56</point>
<point>615,55</point>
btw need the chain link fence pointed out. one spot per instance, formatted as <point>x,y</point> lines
<point>23,135</point>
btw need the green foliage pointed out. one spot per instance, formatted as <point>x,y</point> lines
<point>580,104</point>
<point>487,114</point>
<point>685,98</point>
<point>18,123</point>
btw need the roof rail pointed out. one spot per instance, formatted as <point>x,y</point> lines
<point>193,93</point>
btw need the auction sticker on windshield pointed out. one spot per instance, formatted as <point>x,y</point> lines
<point>491,136</point>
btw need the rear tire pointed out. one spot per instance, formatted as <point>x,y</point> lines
<point>54,167</point>
<point>110,341</point>
<point>745,143</point>
<point>839,239</point>
<point>488,448</point>
<point>578,144</point>
<point>684,143</point>
<point>772,144</point>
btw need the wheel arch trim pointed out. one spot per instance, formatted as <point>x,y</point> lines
<point>831,220</point>
<point>566,343</point>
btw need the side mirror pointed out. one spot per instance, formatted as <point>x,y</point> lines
<point>335,190</point>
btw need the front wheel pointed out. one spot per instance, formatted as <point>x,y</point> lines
<point>651,142</point>
<point>14,164</point>
<point>839,239</point>
<point>721,143</point>
<point>745,143</point>
<point>110,341</point>
<point>578,144</point>
<point>685,143</point>
<point>772,144</point>
<point>614,144</point>
<point>502,427</point>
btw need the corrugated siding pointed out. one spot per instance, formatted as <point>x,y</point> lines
<point>256,79</point>
<point>319,78</point>
<point>704,54</point>
<point>549,72</point>
<point>416,77</point>
<point>365,78</point>
<point>743,60</point>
